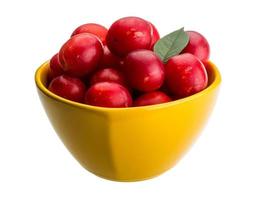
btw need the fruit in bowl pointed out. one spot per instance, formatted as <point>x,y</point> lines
<point>128,106</point>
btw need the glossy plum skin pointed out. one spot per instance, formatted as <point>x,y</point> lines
<point>198,46</point>
<point>68,87</point>
<point>107,75</point>
<point>107,94</point>
<point>128,34</point>
<point>151,98</point>
<point>81,54</point>
<point>143,70</point>
<point>55,67</point>
<point>95,29</point>
<point>109,59</point>
<point>155,35</point>
<point>185,75</point>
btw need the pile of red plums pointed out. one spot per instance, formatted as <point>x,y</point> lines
<point>123,66</point>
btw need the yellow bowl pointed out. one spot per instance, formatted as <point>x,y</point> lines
<point>128,144</point>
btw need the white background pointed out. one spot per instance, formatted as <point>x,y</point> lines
<point>34,164</point>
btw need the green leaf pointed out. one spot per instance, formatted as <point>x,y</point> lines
<point>171,44</point>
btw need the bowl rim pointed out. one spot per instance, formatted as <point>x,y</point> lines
<point>216,82</point>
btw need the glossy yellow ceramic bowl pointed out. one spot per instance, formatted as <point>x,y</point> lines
<point>128,144</point>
